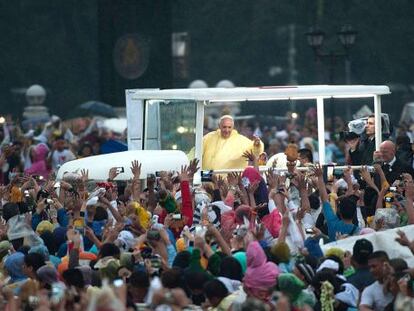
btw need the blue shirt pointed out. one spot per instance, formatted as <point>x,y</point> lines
<point>62,218</point>
<point>336,225</point>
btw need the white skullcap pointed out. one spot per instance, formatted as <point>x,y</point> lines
<point>329,264</point>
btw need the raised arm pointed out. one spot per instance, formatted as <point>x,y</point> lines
<point>225,248</point>
<point>321,184</point>
<point>366,176</point>
<point>251,157</point>
<point>187,203</point>
<point>409,194</point>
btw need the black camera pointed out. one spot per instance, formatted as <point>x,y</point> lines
<point>347,135</point>
<point>206,176</point>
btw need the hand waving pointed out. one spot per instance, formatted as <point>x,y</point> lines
<point>251,189</point>
<point>136,169</point>
<point>249,155</point>
<point>402,238</point>
<point>184,174</point>
<point>271,179</point>
<point>84,175</point>
<point>193,167</point>
<point>317,169</point>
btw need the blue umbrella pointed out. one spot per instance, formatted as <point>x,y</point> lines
<point>111,146</point>
<point>96,108</point>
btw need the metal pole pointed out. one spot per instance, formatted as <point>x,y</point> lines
<point>332,59</point>
<point>292,62</point>
<point>263,169</point>
<point>348,81</point>
<point>321,129</point>
<point>378,127</point>
<point>199,137</point>
<point>347,70</point>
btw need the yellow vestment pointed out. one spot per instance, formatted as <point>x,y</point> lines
<point>226,153</point>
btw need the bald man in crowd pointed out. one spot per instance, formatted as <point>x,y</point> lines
<point>391,165</point>
<point>223,148</point>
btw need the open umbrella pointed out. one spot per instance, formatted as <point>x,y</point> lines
<point>95,108</point>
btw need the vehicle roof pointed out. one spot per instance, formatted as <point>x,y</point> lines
<point>262,93</point>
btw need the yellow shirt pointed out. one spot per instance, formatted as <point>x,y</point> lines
<point>226,153</point>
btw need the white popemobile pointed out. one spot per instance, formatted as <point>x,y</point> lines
<point>165,127</point>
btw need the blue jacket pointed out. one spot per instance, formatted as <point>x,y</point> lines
<point>336,225</point>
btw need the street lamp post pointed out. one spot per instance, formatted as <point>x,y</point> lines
<point>346,36</point>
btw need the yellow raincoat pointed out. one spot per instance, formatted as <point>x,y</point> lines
<point>226,153</point>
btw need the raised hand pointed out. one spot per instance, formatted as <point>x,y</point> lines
<point>218,181</point>
<point>402,238</point>
<point>238,177</point>
<point>317,169</point>
<point>271,179</point>
<point>300,180</point>
<point>136,169</point>
<point>281,181</point>
<point>193,167</point>
<point>84,175</point>
<point>184,174</point>
<point>259,232</point>
<point>113,173</point>
<point>251,189</point>
<point>89,233</point>
<point>232,179</point>
<point>367,177</point>
<point>364,173</point>
<point>283,191</point>
<point>57,204</point>
<point>50,186</point>
<point>378,169</point>
<point>249,155</point>
<point>409,187</point>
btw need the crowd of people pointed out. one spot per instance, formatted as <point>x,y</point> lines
<point>240,241</point>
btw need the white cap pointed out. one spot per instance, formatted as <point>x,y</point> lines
<point>329,264</point>
<point>54,118</point>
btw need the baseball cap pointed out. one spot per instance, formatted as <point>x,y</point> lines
<point>361,250</point>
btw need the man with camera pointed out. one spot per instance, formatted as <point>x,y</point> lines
<point>362,148</point>
<point>224,148</point>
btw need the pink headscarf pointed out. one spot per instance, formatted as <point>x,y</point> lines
<point>229,220</point>
<point>260,273</point>
<point>252,174</point>
<point>273,222</point>
<point>39,166</point>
